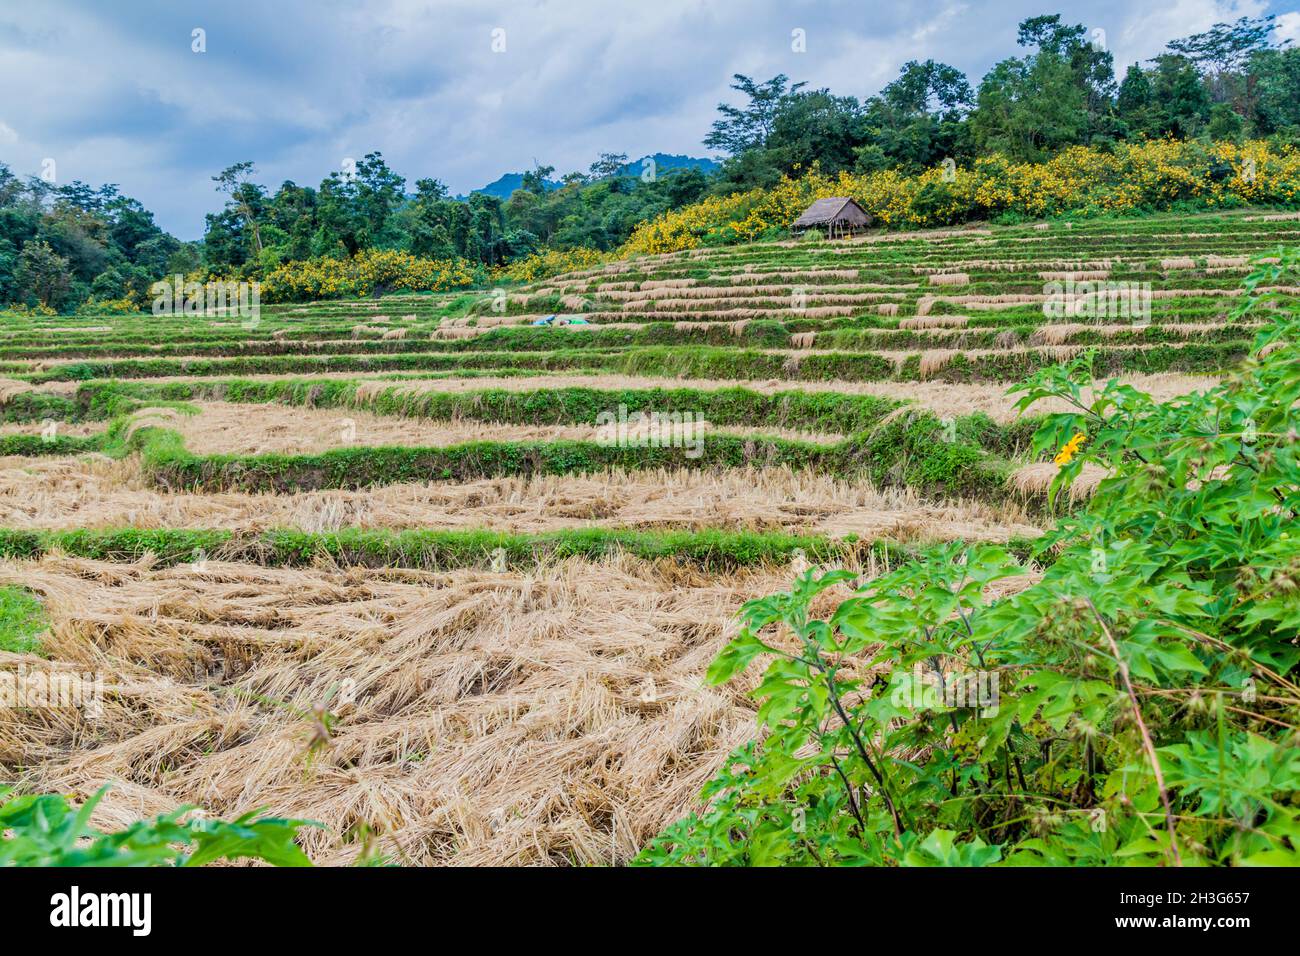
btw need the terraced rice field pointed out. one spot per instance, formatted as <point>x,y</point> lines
<point>395,566</point>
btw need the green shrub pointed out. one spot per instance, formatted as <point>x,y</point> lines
<point>22,620</point>
<point>43,830</point>
<point>1136,705</point>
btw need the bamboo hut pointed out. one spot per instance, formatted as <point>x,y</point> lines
<point>838,216</point>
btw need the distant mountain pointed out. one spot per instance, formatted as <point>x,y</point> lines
<point>664,162</point>
<point>508,183</point>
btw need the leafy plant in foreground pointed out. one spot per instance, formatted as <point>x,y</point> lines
<point>1134,704</point>
<point>43,830</point>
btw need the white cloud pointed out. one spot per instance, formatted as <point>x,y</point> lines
<point>1287,28</point>
<point>1145,34</point>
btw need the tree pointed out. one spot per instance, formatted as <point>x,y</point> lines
<point>917,120</point>
<point>1226,47</point>
<point>1225,124</point>
<point>608,164</point>
<point>815,127</point>
<point>245,196</point>
<point>747,127</point>
<point>1092,65</point>
<point>43,274</point>
<point>487,227</point>
<point>536,180</point>
<point>1136,104</point>
<point>928,88</point>
<point>1028,108</point>
<point>429,225</point>
<point>377,191</point>
<point>292,212</point>
<point>1278,75</point>
<point>1181,97</point>
<point>1222,54</point>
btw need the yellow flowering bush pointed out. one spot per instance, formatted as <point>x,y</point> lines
<point>1149,174</point>
<point>126,305</point>
<point>22,308</point>
<point>552,262</point>
<point>360,275</point>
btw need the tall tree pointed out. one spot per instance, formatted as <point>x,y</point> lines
<point>608,164</point>
<point>43,274</point>
<point>245,196</point>
<point>1277,73</point>
<point>1181,97</point>
<point>749,126</point>
<point>1030,107</point>
<point>537,179</point>
<point>928,88</point>
<point>1136,105</point>
<point>1222,55</point>
<point>1092,65</point>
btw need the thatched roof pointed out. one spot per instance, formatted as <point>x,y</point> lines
<point>834,209</point>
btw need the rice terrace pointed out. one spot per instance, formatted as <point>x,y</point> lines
<point>954,526</point>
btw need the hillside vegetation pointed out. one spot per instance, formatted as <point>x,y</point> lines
<point>463,589</point>
<point>1049,130</point>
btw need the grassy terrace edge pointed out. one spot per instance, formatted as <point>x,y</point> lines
<point>895,454</point>
<point>859,334</point>
<point>831,412</point>
<point>672,362</point>
<point>449,549</point>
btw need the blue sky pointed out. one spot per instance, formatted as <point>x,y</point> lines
<point>113,92</point>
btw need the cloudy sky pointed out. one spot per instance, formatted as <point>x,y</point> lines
<point>462,90</point>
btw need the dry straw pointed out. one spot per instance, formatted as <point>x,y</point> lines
<point>556,716</point>
<point>949,278</point>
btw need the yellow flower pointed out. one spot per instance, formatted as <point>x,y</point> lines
<point>1071,448</point>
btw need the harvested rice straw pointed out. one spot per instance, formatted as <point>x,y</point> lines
<point>932,360</point>
<point>1034,479</point>
<point>949,278</point>
<point>551,717</point>
<point>95,492</point>
<point>934,322</point>
<point>1077,276</point>
<point>9,388</point>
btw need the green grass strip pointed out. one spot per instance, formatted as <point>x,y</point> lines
<point>671,362</point>
<point>32,446</point>
<point>22,621</point>
<point>906,451</point>
<point>436,549</point>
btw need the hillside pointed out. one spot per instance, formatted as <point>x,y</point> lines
<point>505,185</point>
<point>467,538</point>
